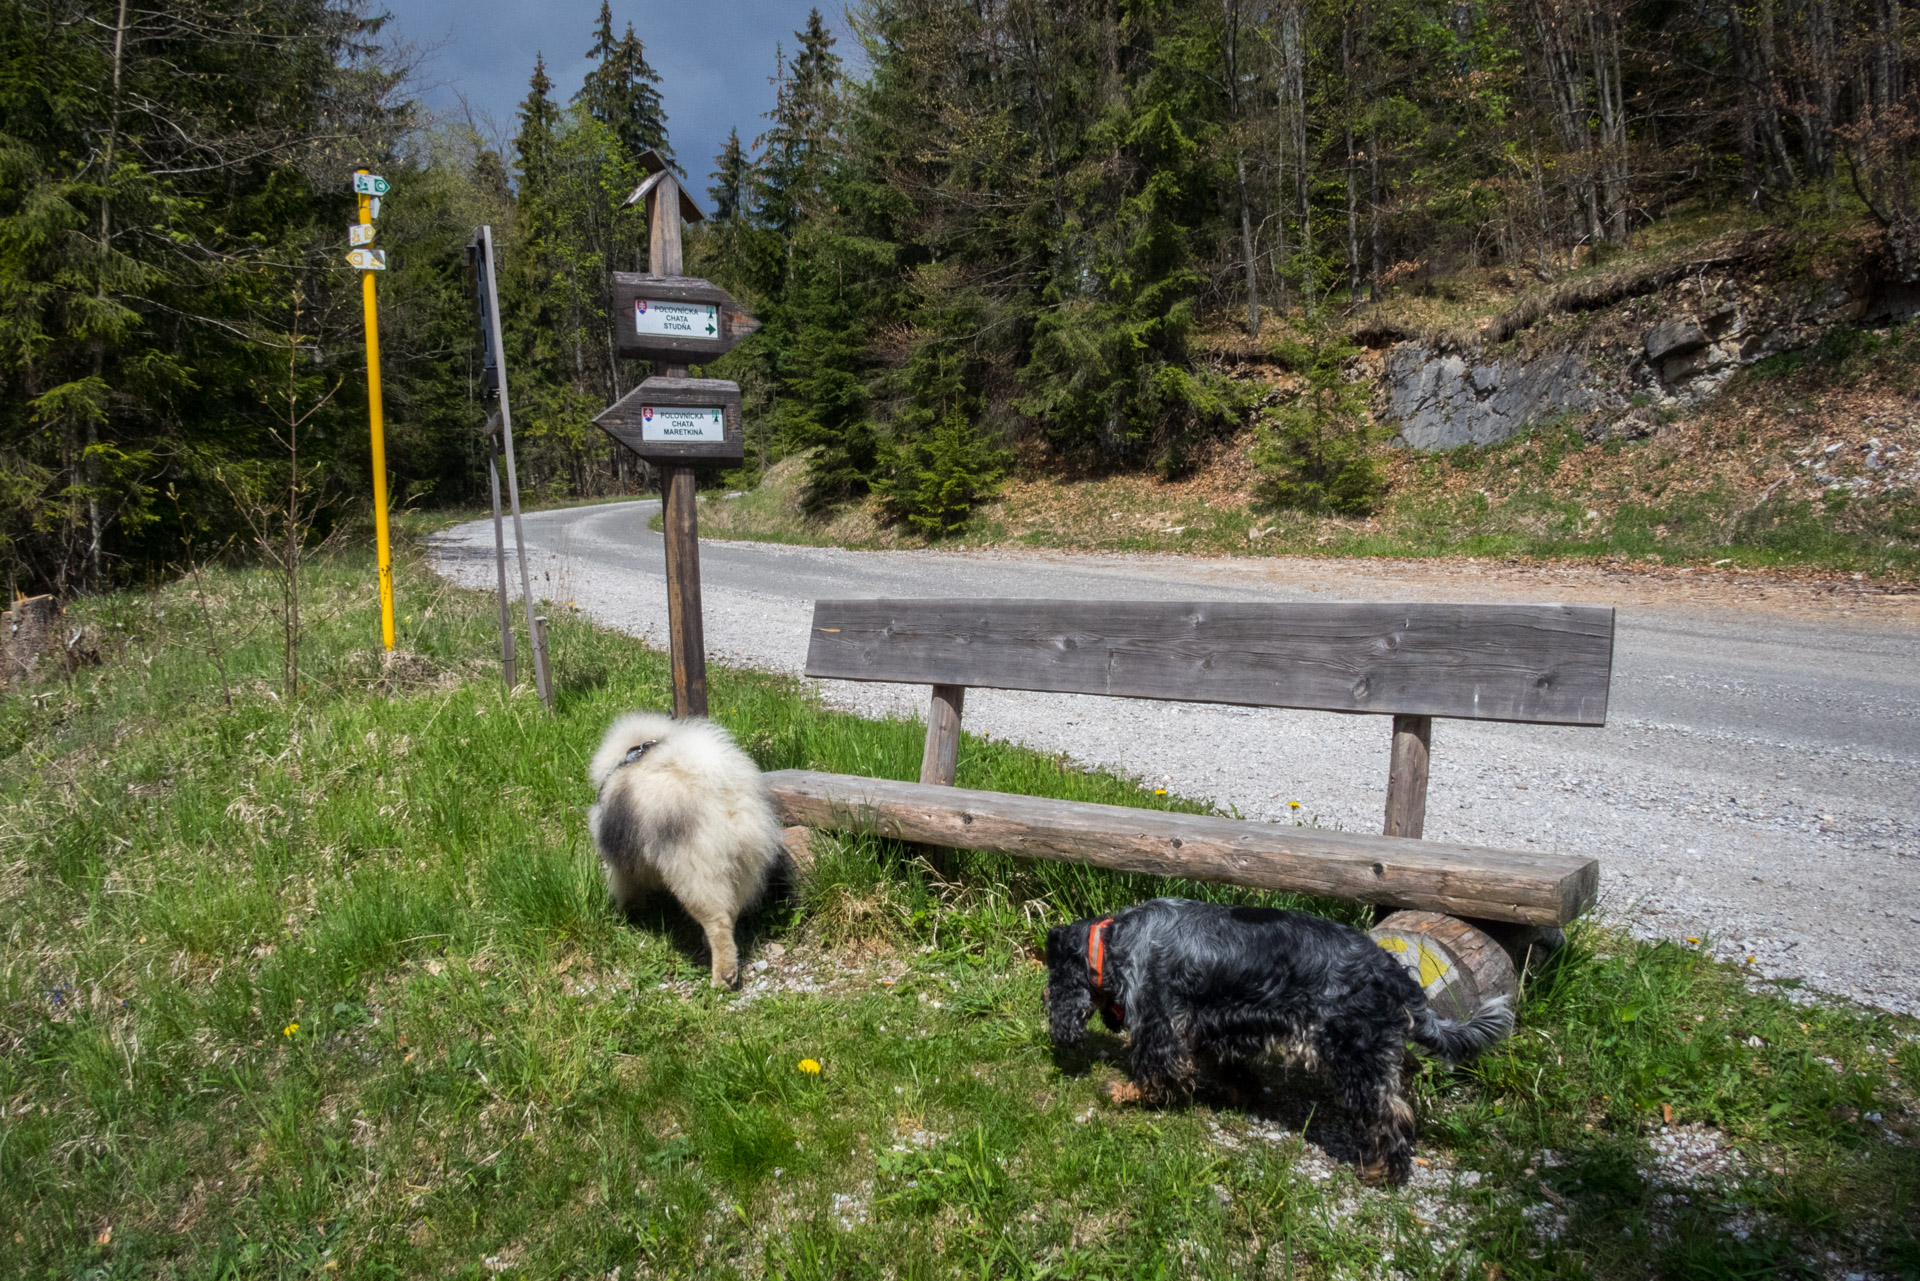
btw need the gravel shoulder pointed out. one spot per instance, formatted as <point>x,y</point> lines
<point>1754,787</point>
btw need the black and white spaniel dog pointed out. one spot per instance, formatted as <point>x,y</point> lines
<point>1201,982</point>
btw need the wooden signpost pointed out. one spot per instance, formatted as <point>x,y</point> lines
<point>671,420</point>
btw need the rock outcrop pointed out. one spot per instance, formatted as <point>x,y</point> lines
<point>1440,400</point>
<point>1627,355</point>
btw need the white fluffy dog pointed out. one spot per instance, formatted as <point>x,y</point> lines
<point>682,808</point>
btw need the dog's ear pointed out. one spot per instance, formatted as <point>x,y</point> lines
<point>1069,993</point>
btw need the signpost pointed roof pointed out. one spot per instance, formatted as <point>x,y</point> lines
<point>656,169</point>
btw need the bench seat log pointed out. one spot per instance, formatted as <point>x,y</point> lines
<point>1468,881</point>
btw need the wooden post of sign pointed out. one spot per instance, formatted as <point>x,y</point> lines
<point>685,635</point>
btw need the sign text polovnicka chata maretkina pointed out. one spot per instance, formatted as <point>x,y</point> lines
<point>682,420</point>
<point>675,318</point>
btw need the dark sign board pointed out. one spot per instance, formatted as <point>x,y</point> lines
<point>479,268</point>
<point>657,317</point>
<point>679,420</point>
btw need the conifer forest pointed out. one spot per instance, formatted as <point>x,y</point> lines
<point>997,235</point>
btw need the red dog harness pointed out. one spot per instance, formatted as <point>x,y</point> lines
<point>1096,960</point>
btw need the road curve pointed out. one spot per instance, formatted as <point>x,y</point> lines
<point>1754,788</point>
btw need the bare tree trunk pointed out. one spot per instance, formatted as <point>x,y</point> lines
<point>90,471</point>
<point>1353,193</point>
<point>1373,202</point>
<point>1747,130</point>
<point>290,600</point>
<point>1767,92</point>
<point>1231,47</point>
<point>1570,117</point>
<point>1603,42</point>
<point>1293,47</point>
<point>1246,248</point>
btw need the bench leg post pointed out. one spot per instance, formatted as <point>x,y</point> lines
<point>1407,776</point>
<point>941,758</point>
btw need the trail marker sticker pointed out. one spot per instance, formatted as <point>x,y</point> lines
<point>680,423</point>
<point>369,184</point>
<point>368,259</point>
<point>360,233</point>
<point>676,319</point>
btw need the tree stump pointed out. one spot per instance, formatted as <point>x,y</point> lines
<point>28,624</point>
<point>1527,945</point>
<point>798,845</point>
<point>1459,967</point>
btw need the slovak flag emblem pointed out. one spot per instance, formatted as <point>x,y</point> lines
<point>646,413</point>
<point>639,306</point>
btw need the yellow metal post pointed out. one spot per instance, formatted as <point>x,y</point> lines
<point>382,542</point>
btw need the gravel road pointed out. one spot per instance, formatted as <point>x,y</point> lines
<point>1754,788</point>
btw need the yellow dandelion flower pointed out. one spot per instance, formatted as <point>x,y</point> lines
<point>1159,791</point>
<point>289,1029</point>
<point>810,1066</point>
<point>1293,805</point>
<point>1693,940</point>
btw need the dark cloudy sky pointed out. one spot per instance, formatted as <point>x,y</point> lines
<point>715,58</point>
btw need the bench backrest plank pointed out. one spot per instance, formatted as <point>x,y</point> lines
<point>1542,664</point>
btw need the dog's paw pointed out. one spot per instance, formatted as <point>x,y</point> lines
<point>1121,1093</point>
<point>1384,1173</point>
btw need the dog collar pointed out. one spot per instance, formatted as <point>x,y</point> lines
<point>1096,961</point>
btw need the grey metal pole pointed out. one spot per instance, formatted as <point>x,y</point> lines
<point>509,661</point>
<point>541,672</point>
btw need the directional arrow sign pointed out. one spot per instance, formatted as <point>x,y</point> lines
<point>368,259</point>
<point>360,233</point>
<point>679,420</point>
<point>666,316</point>
<point>369,184</point>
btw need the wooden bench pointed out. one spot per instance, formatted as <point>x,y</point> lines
<point>1535,664</point>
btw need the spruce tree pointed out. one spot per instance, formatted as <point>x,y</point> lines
<point>639,119</point>
<point>729,191</point>
<point>797,150</point>
<point>622,91</point>
<point>533,144</point>
<point>598,91</point>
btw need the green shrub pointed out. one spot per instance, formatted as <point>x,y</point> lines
<point>1317,453</point>
<point>933,483</point>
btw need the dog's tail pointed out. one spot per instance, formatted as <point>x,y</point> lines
<point>1457,1042</point>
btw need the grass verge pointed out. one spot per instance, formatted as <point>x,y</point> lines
<point>326,984</point>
